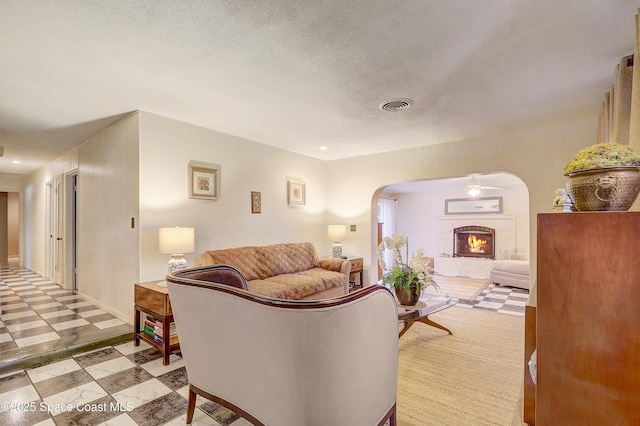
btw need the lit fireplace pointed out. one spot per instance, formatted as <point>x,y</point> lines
<point>474,241</point>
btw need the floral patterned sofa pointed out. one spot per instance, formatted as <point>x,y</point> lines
<point>285,271</point>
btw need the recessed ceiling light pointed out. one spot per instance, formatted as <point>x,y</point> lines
<point>16,161</point>
<point>396,104</point>
<point>323,148</point>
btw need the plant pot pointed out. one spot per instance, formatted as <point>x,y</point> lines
<point>407,298</point>
<point>608,189</point>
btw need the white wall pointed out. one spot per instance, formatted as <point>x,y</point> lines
<point>537,156</point>
<point>13,223</point>
<point>108,248</point>
<point>167,146</point>
<point>10,183</point>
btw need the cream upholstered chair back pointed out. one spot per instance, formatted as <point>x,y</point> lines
<point>287,363</point>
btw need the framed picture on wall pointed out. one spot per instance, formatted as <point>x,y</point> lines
<point>296,195</point>
<point>256,202</point>
<point>204,181</point>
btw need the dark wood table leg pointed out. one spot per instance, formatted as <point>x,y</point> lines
<point>166,343</point>
<point>136,322</point>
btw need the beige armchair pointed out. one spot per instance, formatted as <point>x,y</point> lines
<point>287,363</point>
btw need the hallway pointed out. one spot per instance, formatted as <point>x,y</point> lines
<point>40,321</point>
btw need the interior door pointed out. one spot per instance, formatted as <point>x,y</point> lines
<point>50,230</point>
<point>72,252</point>
<point>58,230</point>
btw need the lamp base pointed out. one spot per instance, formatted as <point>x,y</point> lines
<point>177,263</point>
<point>337,250</point>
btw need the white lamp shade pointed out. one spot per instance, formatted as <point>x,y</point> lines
<point>337,232</point>
<point>177,240</point>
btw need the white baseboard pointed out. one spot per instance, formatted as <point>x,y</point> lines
<point>97,303</point>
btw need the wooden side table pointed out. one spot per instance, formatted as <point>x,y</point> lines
<point>153,300</point>
<point>357,268</point>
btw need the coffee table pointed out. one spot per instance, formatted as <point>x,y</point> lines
<point>409,315</point>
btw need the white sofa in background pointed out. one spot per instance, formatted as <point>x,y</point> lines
<point>512,272</point>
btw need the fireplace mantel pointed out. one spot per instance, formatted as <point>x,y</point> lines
<point>472,267</point>
<point>504,224</point>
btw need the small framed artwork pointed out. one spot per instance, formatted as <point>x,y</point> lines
<point>296,193</point>
<point>204,181</point>
<point>256,202</point>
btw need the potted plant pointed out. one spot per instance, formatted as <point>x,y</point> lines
<point>604,176</point>
<point>408,278</point>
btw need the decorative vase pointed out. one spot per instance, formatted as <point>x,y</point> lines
<point>607,189</point>
<point>407,298</point>
<point>561,201</point>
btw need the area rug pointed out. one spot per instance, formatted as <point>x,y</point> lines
<point>461,287</point>
<point>472,377</point>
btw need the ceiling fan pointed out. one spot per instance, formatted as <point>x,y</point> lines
<point>474,188</point>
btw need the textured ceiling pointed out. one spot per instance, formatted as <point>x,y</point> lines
<point>299,75</point>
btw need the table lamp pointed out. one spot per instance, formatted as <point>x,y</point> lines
<point>176,242</point>
<point>337,234</point>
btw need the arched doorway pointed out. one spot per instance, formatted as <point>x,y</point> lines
<point>421,209</point>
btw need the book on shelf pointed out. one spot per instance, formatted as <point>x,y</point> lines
<point>172,340</point>
<point>158,328</point>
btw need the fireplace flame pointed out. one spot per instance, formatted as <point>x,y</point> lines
<point>476,245</point>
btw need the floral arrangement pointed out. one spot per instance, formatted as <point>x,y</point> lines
<point>603,155</point>
<point>417,271</point>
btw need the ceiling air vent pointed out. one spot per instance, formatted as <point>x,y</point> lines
<point>395,105</point>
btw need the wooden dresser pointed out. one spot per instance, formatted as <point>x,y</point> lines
<point>588,319</point>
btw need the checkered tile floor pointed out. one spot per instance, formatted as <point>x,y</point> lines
<point>35,312</point>
<point>504,300</point>
<point>116,385</point>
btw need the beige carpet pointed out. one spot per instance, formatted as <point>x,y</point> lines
<point>472,377</point>
<point>460,287</point>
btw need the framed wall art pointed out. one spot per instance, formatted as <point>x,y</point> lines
<point>256,202</point>
<point>296,195</point>
<point>204,181</point>
<point>474,205</point>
